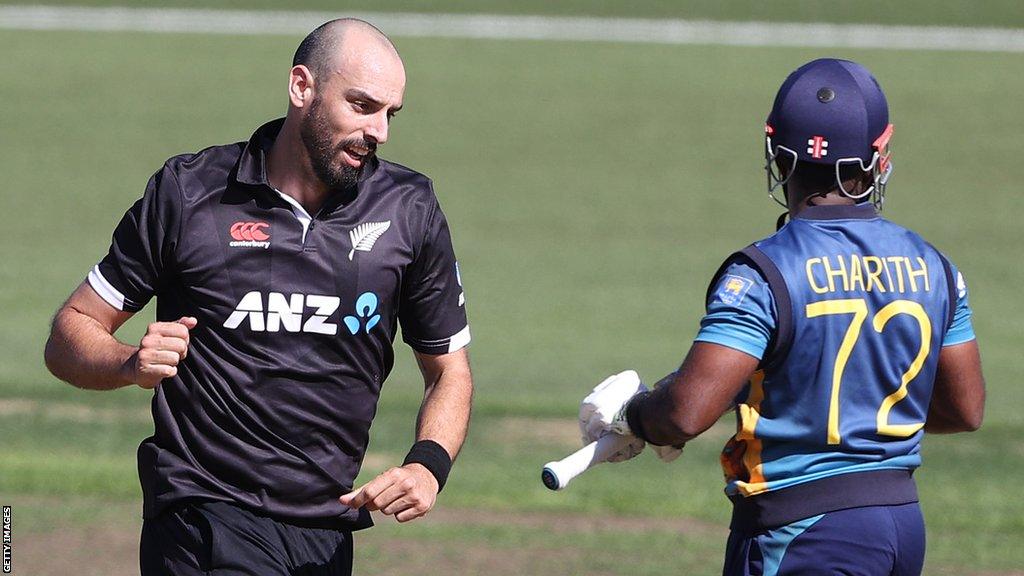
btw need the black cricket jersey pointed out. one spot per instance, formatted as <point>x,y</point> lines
<point>271,408</point>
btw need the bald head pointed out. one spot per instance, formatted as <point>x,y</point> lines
<point>346,84</point>
<point>320,51</point>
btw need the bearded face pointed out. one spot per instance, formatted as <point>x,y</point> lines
<point>327,157</point>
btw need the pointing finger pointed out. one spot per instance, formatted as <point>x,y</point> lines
<point>364,496</point>
<point>389,497</point>
<point>350,498</point>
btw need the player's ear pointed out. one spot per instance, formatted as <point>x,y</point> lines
<point>300,86</point>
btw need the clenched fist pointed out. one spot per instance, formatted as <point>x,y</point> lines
<point>161,349</point>
<point>406,493</point>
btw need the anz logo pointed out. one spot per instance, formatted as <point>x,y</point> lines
<point>286,312</point>
<point>366,305</point>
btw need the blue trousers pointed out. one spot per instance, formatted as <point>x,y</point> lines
<point>868,541</point>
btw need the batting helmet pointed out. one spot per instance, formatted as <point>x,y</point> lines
<point>830,112</point>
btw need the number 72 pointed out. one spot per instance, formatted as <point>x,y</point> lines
<point>859,308</point>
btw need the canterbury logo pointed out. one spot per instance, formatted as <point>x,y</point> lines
<point>365,236</point>
<point>250,234</point>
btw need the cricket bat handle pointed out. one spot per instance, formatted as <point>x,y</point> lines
<point>557,475</point>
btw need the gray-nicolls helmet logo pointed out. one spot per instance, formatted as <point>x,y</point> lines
<point>830,112</point>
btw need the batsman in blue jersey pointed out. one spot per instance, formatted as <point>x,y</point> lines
<point>839,341</point>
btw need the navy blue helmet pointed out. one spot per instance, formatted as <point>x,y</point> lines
<point>830,112</point>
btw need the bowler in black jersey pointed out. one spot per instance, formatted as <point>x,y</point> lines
<point>282,268</point>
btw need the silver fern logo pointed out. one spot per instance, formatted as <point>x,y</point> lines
<point>365,236</point>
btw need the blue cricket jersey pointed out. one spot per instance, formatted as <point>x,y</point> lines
<point>847,312</point>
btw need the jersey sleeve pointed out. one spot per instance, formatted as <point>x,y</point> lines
<point>142,247</point>
<point>432,310</point>
<point>961,329</point>
<point>740,312</point>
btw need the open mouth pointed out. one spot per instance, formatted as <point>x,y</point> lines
<point>356,155</point>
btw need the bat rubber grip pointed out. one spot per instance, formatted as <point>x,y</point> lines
<point>557,475</point>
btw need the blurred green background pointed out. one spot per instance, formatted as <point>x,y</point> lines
<point>997,13</point>
<point>592,188</point>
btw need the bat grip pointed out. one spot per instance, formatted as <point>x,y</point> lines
<point>557,475</point>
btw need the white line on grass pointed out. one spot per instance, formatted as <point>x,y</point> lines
<point>520,28</point>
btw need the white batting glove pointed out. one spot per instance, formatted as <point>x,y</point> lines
<point>603,412</point>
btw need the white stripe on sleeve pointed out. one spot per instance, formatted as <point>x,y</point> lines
<point>105,289</point>
<point>459,340</point>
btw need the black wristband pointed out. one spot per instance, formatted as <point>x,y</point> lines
<point>633,415</point>
<point>433,457</point>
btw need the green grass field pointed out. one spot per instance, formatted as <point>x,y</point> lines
<point>997,13</point>
<point>592,189</point>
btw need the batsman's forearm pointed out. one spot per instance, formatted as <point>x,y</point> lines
<point>83,354</point>
<point>958,394</point>
<point>690,401</point>
<point>944,420</point>
<point>444,414</point>
<point>654,417</point>
<point>937,425</point>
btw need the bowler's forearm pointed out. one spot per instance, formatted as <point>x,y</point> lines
<point>444,414</point>
<point>82,353</point>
